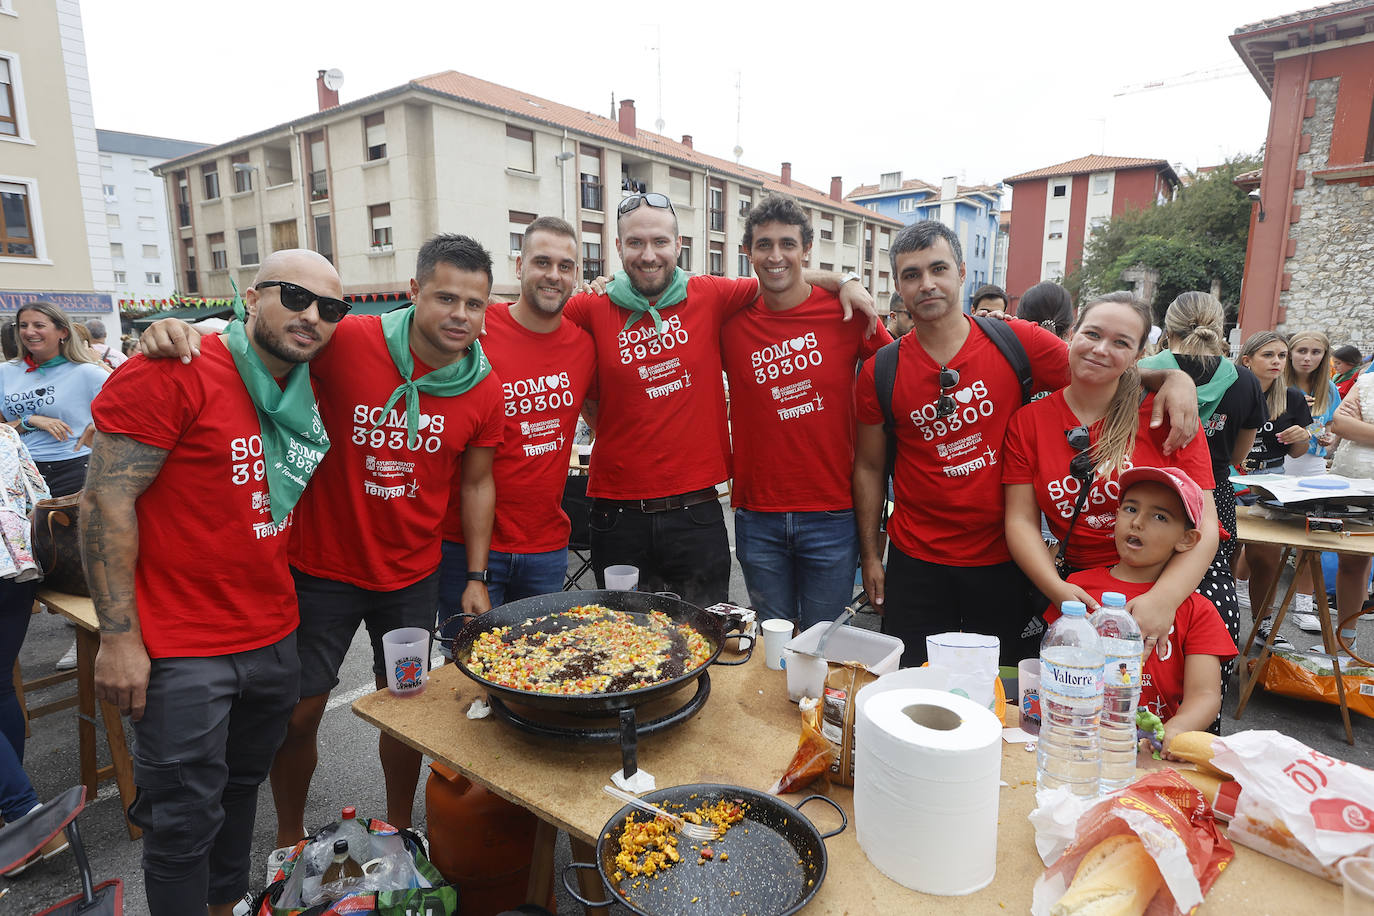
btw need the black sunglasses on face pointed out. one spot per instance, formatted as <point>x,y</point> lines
<point>1082,464</point>
<point>949,378</point>
<point>297,298</point>
<point>652,199</point>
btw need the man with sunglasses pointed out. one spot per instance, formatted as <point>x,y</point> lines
<point>197,468</point>
<point>948,566</point>
<point>898,318</point>
<point>662,441</point>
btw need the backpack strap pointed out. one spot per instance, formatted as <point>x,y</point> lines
<point>885,380</point>
<point>1011,349</point>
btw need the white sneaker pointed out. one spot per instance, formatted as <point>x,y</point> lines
<point>1321,650</point>
<point>1308,623</point>
<point>1302,604</point>
<point>1243,594</point>
<point>68,660</point>
<point>1280,641</point>
<point>275,859</point>
<point>245,906</point>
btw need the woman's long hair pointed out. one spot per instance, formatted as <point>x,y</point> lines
<point>1319,381</point>
<point>1049,305</point>
<point>1117,441</point>
<point>73,349</point>
<point>1195,325</point>
<point>1277,396</point>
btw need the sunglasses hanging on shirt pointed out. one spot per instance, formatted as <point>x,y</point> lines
<point>1081,467</point>
<point>945,405</point>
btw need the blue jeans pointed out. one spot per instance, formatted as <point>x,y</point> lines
<point>797,565</point>
<point>513,576</point>
<point>17,797</point>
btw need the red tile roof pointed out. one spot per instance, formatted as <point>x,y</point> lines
<point>916,184</point>
<point>1087,164</point>
<point>503,98</point>
<point>1257,42</point>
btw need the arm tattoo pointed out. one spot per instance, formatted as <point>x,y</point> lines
<point>120,470</point>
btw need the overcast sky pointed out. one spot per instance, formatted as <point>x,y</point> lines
<point>981,90</point>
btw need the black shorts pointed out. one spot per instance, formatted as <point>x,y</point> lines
<point>922,599</point>
<point>330,614</point>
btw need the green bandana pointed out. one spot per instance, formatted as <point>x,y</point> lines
<point>293,436</point>
<point>448,382</point>
<point>1346,376</point>
<point>623,294</point>
<point>1210,392</point>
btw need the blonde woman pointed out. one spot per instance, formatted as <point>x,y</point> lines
<point>1309,370</point>
<point>1065,453</point>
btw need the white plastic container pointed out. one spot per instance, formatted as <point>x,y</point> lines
<point>877,652</point>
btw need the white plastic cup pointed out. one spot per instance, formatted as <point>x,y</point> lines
<point>406,651</point>
<point>972,662</point>
<point>1028,684</point>
<point>622,578</point>
<point>776,634</point>
<point>1357,874</point>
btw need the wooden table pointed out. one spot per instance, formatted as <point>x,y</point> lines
<point>80,611</point>
<point>745,735</point>
<point>1292,536</point>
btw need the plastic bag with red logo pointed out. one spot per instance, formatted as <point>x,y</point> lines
<point>1293,803</point>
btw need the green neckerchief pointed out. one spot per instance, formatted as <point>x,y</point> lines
<point>1210,392</point>
<point>623,294</point>
<point>34,365</point>
<point>293,436</point>
<point>447,382</point>
<point>1340,379</point>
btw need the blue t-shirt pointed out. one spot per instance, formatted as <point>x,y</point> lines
<point>1334,400</point>
<point>63,392</point>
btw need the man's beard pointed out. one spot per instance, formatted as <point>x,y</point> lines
<point>274,345</point>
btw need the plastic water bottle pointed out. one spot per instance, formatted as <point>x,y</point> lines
<point>353,830</point>
<point>1122,646</point>
<point>1071,663</point>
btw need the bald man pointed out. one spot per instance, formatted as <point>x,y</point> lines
<point>185,516</point>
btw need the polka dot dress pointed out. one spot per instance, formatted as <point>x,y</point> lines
<point>1219,586</point>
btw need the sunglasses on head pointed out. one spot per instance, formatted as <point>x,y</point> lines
<point>652,199</point>
<point>1082,464</point>
<point>949,379</point>
<point>297,298</point>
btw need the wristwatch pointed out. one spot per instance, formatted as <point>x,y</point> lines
<point>480,575</point>
<point>851,275</point>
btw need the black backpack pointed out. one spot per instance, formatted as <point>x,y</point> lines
<point>885,379</point>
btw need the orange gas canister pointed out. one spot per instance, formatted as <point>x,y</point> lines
<point>479,842</point>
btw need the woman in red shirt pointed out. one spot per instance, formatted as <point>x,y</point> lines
<point>1064,454</point>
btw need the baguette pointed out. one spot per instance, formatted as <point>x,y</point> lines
<point>1116,878</point>
<point>1196,748</point>
<point>1204,782</point>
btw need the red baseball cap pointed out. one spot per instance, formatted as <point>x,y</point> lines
<point>1188,491</point>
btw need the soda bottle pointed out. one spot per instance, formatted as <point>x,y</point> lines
<point>1122,646</point>
<point>353,830</point>
<point>1071,663</point>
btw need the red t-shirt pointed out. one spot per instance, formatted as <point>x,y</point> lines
<point>947,481</point>
<point>211,577</point>
<point>792,403</point>
<point>661,420</point>
<point>544,379</point>
<point>373,513</point>
<point>1197,630</point>
<point>1038,453</point>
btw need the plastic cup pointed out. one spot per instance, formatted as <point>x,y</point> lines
<point>1028,683</point>
<point>1357,874</point>
<point>776,634</point>
<point>622,578</point>
<point>407,659</point>
<point>971,659</point>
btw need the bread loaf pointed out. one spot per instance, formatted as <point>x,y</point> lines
<point>1196,748</point>
<point>1204,782</point>
<point>1116,878</point>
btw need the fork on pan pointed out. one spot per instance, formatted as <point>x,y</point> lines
<point>699,832</point>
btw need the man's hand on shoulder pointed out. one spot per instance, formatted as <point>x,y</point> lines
<point>1177,396</point>
<point>170,338</point>
<point>855,298</point>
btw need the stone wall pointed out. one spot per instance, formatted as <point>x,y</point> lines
<point>1333,266</point>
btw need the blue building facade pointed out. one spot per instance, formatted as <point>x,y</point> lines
<point>971,211</point>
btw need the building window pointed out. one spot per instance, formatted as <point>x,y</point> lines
<point>717,259</point>
<point>518,220</point>
<point>1060,190</point>
<point>138,165</point>
<point>319,177</point>
<point>827,228</point>
<point>1056,228</point>
<point>149,252</point>
<point>1097,222</point>
<point>906,205</point>
<point>243,173</point>
<point>827,267</point>
<point>324,238</point>
<point>715,203</point>
<point>1052,270</point>
<point>153,278</point>
<point>684,258</point>
<point>284,235</point>
<point>219,257</point>
<point>884,282</point>
<point>680,186</point>
<point>1099,184</point>
<point>851,232</point>
<point>589,178</point>
<point>9,112</point>
<point>374,135</point>
<point>746,200</point>
<point>248,247</point>
<point>116,249</point>
<point>109,190</point>
<point>188,249</point>
<point>745,267</point>
<point>276,164</point>
<point>147,224</point>
<point>112,220</point>
<point>183,200</point>
<point>592,264</point>
<point>519,149</point>
<point>209,175</point>
<point>379,217</point>
<point>16,228</point>
<point>143,195</point>
<point>121,277</point>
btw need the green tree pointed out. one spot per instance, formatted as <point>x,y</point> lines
<point>1191,240</point>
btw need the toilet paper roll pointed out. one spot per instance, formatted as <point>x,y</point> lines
<point>927,770</point>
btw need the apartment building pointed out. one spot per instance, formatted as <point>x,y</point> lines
<point>53,243</point>
<point>367,182</point>
<point>971,211</point>
<point>136,213</point>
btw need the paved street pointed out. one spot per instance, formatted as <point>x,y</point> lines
<point>349,772</point>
